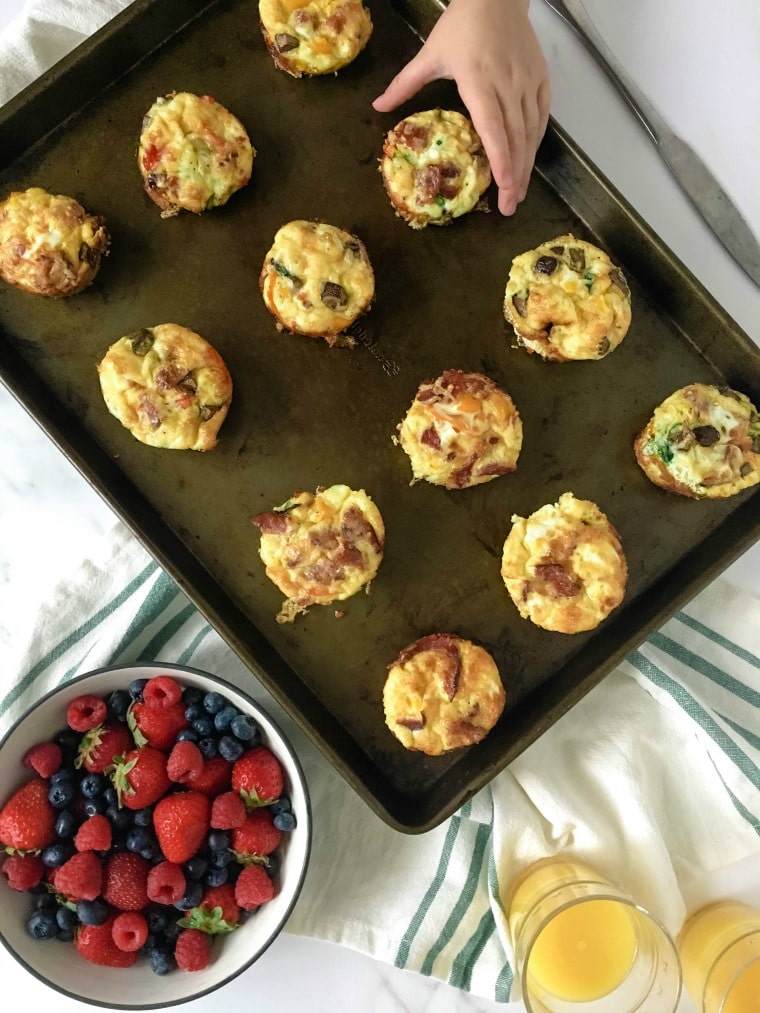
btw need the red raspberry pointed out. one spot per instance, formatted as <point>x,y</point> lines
<point>129,931</point>
<point>94,835</point>
<point>85,712</point>
<point>193,950</point>
<point>125,881</point>
<point>214,778</point>
<point>45,758</point>
<point>253,887</point>
<point>162,691</point>
<point>81,877</point>
<point>166,883</point>
<point>23,871</point>
<point>185,762</point>
<point>95,943</point>
<point>257,837</point>
<point>227,811</point>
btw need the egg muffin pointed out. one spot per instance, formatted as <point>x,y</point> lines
<point>567,300</point>
<point>49,244</point>
<point>703,442</point>
<point>461,430</point>
<point>193,153</point>
<point>564,566</point>
<point>321,547</point>
<point>317,37</point>
<point>167,386</point>
<point>434,167</point>
<point>442,693</point>
<point>316,279</point>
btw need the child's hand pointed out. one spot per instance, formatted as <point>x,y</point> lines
<point>490,49</point>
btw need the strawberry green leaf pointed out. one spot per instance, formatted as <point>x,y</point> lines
<point>208,920</point>
<point>118,772</point>
<point>90,742</point>
<point>138,736</point>
<point>250,858</point>
<point>252,800</point>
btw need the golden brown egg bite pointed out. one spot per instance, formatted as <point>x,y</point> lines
<point>314,36</point>
<point>434,167</point>
<point>442,693</point>
<point>321,547</point>
<point>703,442</point>
<point>167,386</point>
<point>49,244</point>
<point>567,300</point>
<point>193,153</point>
<point>461,430</point>
<point>316,279</point>
<point>564,566</point>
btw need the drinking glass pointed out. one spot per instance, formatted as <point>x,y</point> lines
<point>720,953</point>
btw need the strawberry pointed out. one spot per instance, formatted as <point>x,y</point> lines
<point>257,777</point>
<point>95,943</point>
<point>227,811</point>
<point>94,835</point>
<point>192,950</point>
<point>253,887</point>
<point>140,777</point>
<point>181,823</point>
<point>125,881</point>
<point>27,820</point>
<point>162,691</point>
<point>217,913</point>
<point>80,878</point>
<point>214,778</point>
<point>129,931</point>
<point>44,759</point>
<point>257,838</point>
<point>156,726</point>
<point>101,745</point>
<point>85,712</point>
<point>23,871</point>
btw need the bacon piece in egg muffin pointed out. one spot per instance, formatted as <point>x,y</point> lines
<point>442,693</point>
<point>316,279</point>
<point>434,167</point>
<point>321,547</point>
<point>703,442</point>
<point>567,300</point>
<point>564,566</point>
<point>461,430</point>
<point>49,244</point>
<point>193,153</point>
<point>315,36</point>
<point>167,386</point>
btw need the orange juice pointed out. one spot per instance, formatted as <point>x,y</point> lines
<point>744,994</point>
<point>585,951</point>
<point>720,953</point>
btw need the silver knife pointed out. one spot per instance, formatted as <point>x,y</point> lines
<point>699,184</point>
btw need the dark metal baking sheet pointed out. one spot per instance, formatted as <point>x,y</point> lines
<point>305,415</point>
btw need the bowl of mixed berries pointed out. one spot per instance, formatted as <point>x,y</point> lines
<point>155,831</point>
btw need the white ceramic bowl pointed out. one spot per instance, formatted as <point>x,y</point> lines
<point>57,963</point>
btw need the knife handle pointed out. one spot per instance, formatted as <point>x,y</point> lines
<point>574,14</point>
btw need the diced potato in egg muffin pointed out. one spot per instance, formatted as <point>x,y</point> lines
<point>461,430</point>
<point>434,167</point>
<point>316,279</point>
<point>49,244</point>
<point>567,300</point>
<point>442,693</point>
<point>321,547</point>
<point>193,153</point>
<point>703,442</point>
<point>314,36</point>
<point>564,566</point>
<point>167,386</point>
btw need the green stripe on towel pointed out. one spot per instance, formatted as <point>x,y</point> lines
<point>706,668</point>
<point>159,598</point>
<point>467,958</point>
<point>718,639</point>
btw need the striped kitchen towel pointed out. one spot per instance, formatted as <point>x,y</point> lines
<point>654,777</point>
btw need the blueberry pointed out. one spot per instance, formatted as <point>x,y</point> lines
<point>220,859</point>
<point>191,695</point>
<point>204,727</point>
<point>281,805</point>
<point>195,867</point>
<point>42,925</point>
<point>61,794</point>
<point>65,935</point>
<point>208,748</point>
<point>143,817</point>
<point>120,819</point>
<point>92,785</point>
<point>157,922</point>
<point>188,735</point>
<point>224,718</point>
<point>118,704</point>
<point>213,702</point>
<point>192,896</point>
<point>69,741</point>
<point>138,838</point>
<point>92,912</point>
<point>229,748</point>
<point>151,852</point>
<point>45,901</point>
<point>111,796</point>
<point>161,961</point>
<point>234,869</point>
<point>64,774</point>
<point>55,855</point>
<point>244,728</point>
<point>66,919</point>
<point>194,711</point>
<point>65,824</point>
<point>173,929</point>
<point>136,688</point>
<point>218,840</point>
<point>95,806</point>
<point>216,877</point>
<point>285,821</point>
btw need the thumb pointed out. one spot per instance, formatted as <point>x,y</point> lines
<point>407,82</point>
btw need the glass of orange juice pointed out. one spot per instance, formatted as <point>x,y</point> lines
<point>581,944</point>
<point>720,953</point>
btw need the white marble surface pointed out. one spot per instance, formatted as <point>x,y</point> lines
<point>701,66</point>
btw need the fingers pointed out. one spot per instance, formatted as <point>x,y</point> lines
<point>488,119</point>
<point>407,82</point>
